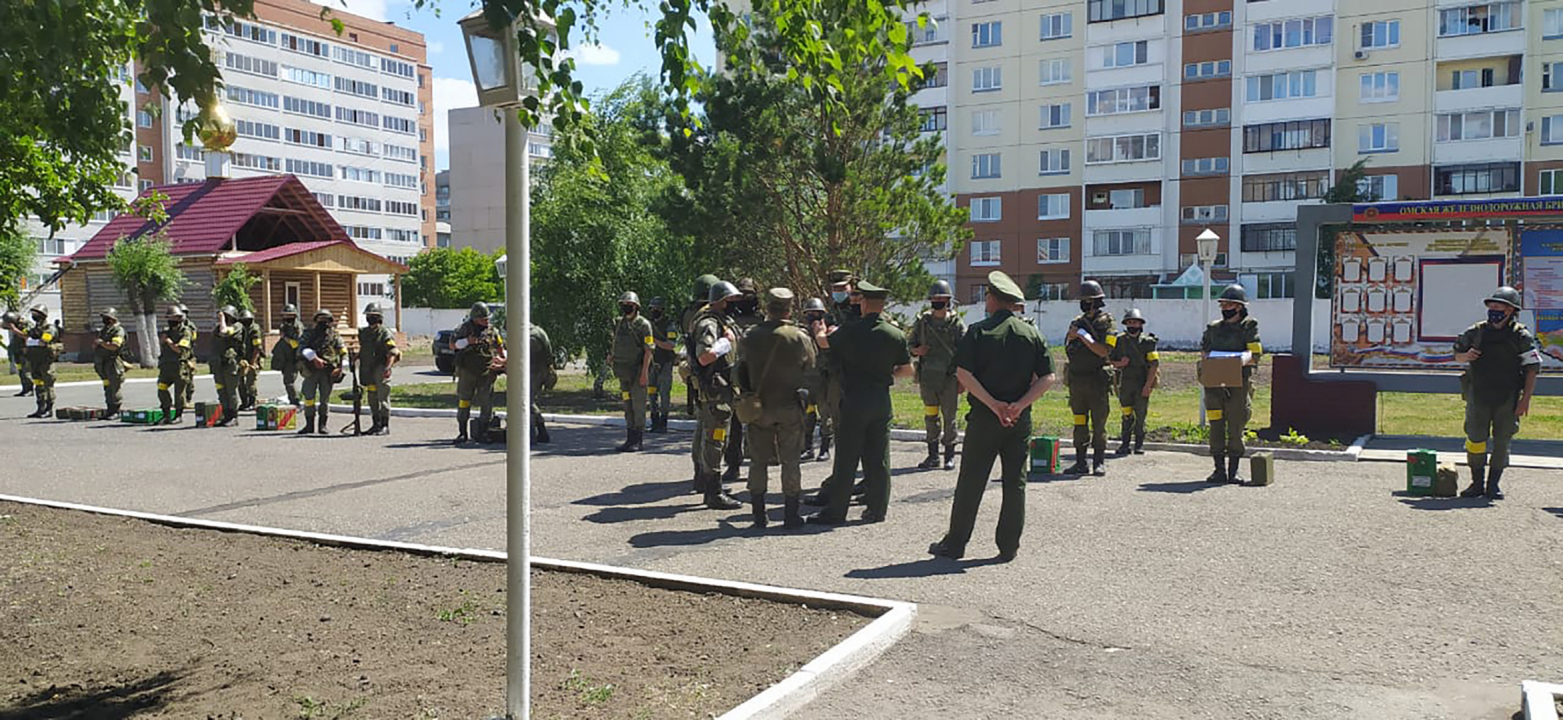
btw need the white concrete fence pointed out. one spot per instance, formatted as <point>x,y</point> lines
<point>427,321</point>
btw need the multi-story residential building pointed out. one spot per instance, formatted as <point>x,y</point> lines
<point>1133,125</point>
<point>931,47</point>
<point>477,175</point>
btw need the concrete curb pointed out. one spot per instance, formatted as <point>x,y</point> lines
<point>1539,700</point>
<point>1287,454</point>
<point>893,619</point>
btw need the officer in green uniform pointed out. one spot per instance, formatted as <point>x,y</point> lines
<point>664,331</point>
<point>16,349</point>
<point>710,345</point>
<point>775,356</point>
<point>1090,340</point>
<point>845,303</point>
<point>935,335</point>
<point>871,353</point>
<point>1004,364</point>
<point>173,369</point>
<point>1228,409</point>
<point>543,377</point>
<point>1498,385</point>
<point>480,354</point>
<point>43,348</point>
<point>814,383</point>
<point>1139,368</point>
<point>686,323</point>
<point>190,363</point>
<point>320,355</point>
<point>284,355</point>
<point>630,359</point>
<point>252,349</point>
<point>226,354</point>
<point>377,354</point>
<point>107,362</point>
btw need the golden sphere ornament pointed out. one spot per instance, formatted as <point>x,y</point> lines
<point>215,128</point>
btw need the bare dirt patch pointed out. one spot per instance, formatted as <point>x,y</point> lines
<point>108,618</point>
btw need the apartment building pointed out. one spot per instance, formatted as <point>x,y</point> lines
<point>476,185</point>
<point>1097,138</point>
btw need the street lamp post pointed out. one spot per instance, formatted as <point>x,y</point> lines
<point>1206,244</point>
<point>496,70</point>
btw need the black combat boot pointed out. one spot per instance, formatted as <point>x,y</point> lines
<point>309,424</point>
<point>949,457</point>
<point>791,517</point>
<point>1234,466</point>
<point>757,509</point>
<point>1478,486</point>
<point>374,424</point>
<point>1139,443</point>
<point>638,440</point>
<point>808,443</point>
<point>824,448</point>
<point>1099,463</point>
<point>1493,493</point>
<point>629,442</point>
<point>38,408</point>
<point>717,498</point>
<point>1124,447</point>
<point>1079,468</point>
<point>821,497</point>
<point>932,461</point>
<point>463,417</point>
<point>540,432</point>
<point>1220,475</point>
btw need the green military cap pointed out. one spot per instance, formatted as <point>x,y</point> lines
<point>778,300</point>
<point>1001,285</point>
<point>838,277</point>
<point>871,291</point>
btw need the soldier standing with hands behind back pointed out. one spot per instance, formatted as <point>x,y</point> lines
<point>1228,409</point>
<point>1497,386</point>
<point>1139,367</point>
<point>1091,339</point>
<point>934,338</point>
<point>630,359</point>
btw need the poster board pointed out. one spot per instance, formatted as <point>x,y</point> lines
<point>1541,254</point>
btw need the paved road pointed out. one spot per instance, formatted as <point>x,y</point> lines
<point>1145,594</point>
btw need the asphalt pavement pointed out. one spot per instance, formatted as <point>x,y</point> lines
<point>1144,594</point>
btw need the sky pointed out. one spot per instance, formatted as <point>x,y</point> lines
<point>624,47</point>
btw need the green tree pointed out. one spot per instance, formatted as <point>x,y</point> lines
<point>17,254</point>
<point>146,269</point>
<point>1348,189</point>
<point>451,278</point>
<point>234,288</point>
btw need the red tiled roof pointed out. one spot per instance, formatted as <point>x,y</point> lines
<point>282,251</point>
<point>203,217</point>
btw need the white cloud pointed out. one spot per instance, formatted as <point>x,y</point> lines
<point>449,94</point>
<point>436,47</point>
<point>372,9</point>
<point>594,55</point>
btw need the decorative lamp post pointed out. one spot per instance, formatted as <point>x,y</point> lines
<point>1207,242</point>
<point>496,70</point>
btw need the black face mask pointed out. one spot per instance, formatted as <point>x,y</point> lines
<point>1497,317</point>
<point>376,320</point>
<point>1135,330</point>
<point>749,306</point>
<point>733,309</point>
<point>1230,313</point>
<point>323,325</point>
<point>811,319</point>
<point>175,324</point>
<point>1087,305</point>
<point>940,304</point>
<point>656,313</point>
<point>626,310</point>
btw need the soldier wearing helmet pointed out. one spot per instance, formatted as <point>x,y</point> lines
<point>320,361</point>
<point>480,358</point>
<point>377,354</point>
<point>188,403</point>
<point>1139,366</point>
<point>177,347</point>
<point>1090,340</point>
<point>630,358</point>
<point>1503,360</point>
<point>284,355</point>
<point>43,349</point>
<point>932,342</point>
<point>16,349</point>
<point>710,346</point>
<point>664,333</point>
<point>744,316</point>
<point>252,347</point>
<point>107,360</point>
<point>816,412</point>
<point>699,296</point>
<point>1228,409</point>
<point>228,351</point>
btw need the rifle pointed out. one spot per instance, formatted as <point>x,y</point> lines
<point>357,396</point>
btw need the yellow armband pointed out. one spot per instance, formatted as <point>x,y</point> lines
<point>1112,341</point>
<point>1255,348</point>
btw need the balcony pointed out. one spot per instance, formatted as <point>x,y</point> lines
<point>1477,151</point>
<point>1459,47</point>
<point>1501,96</point>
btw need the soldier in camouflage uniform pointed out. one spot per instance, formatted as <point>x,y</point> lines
<point>686,323</point>
<point>252,349</point>
<point>16,349</point>
<point>226,354</point>
<point>173,369</point>
<point>664,332</point>
<point>744,316</point>
<point>1498,386</point>
<point>543,377</point>
<point>1091,338</point>
<point>1228,409</point>
<point>709,345</point>
<point>320,360</point>
<point>190,362</point>
<point>43,348</point>
<point>284,355</point>
<point>480,353</point>
<point>630,359</point>
<point>815,412</point>
<point>106,360</point>
<point>1139,366</point>
<point>377,354</point>
<point>776,356</point>
<point>932,342</point>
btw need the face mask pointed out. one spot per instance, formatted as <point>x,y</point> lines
<point>656,313</point>
<point>175,323</point>
<point>1135,330</point>
<point>839,297</point>
<point>626,310</point>
<point>1496,317</point>
<point>733,309</point>
<point>1229,313</point>
<point>376,320</point>
<point>322,324</point>
<point>940,304</point>
<point>811,319</point>
<point>1087,305</point>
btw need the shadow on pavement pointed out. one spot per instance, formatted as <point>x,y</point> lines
<point>111,703</point>
<point>726,529</point>
<point>1422,502</point>
<point>1180,488</point>
<point>610,515</point>
<point>641,494</point>
<point>927,567</point>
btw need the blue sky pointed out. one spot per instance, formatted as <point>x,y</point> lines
<point>624,48</point>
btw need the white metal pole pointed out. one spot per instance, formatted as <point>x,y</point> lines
<point>518,439</point>
<point>1205,302</point>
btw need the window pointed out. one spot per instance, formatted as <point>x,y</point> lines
<point>397,67</point>
<point>144,153</point>
<point>244,30</point>
<point>1135,241</point>
<point>404,236</point>
<point>1479,125</point>
<point>1286,186</point>
<point>312,169</point>
<point>126,180</point>
<point>246,96</point>
<point>1274,285</point>
<point>310,138</point>
<point>934,119</point>
<point>1269,237</point>
<point>1478,19</point>
<point>257,162</point>
<point>1207,69</point>
<point>371,289</point>
<point>51,246</point>
<point>405,126</point>
<point>247,64</point>
<point>357,87</point>
<point>1201,214</point>
<point>1055,161</point>
<point>1552,77</point>
<point>1057,25</point>
<point>1054,72</point>
<point>1378,137</point>
<point>1207,118</point>
<point>987,79</point>
<point>1054,116</point>
<point>360,146</point>
<point>929,33</point>
<point>1125,199</point>
<point>401,180</point>
<point>401,152</point>
<point>1294,33</point>
<point>1380,34</point>
<point>1053,206</point>
<point>352,57</point>
<point>305,45</point>
<point>354,116</point>
<point>186,152</point>
<point>979,291</point>
<point>397,207</point>
<point>987,34</point>
<point>1283,85</point>
<point>1052,250</point>
<point>1289,135</point>
<point>358,174</point>
<point>939,78</point>
<point>143,119</point>
<point>985,252</point>
<point>1552,130</point>
<point>306,77</point>
<point>1485,77</point>
<point>985,122</point>
<point>311,108</point>
<point>145,185</point>
<point>1126,54</point>
<point>1107,10</point>
<point>358,203</point>
<point>1123,148</point>
<point>1552,24</point>
<point>985,165</point>
<point>1550,182</point>
<point>987,209</point>
<point>1376,188</point>
<point>1479,178</point>
<point>361,232</point>
<point>325,199</point>
<point>404,98</point>
<point>1380,87</point>
<point>1207,21</point>
<point>1123,100</point>
<point>1207,166</point>
<point>257,130</point>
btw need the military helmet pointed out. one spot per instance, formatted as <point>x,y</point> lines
<point>814,305</point>
<point>230,311</point>
<point>1134,314</point>
<point>1234,293</point>
<point>722,290</point>
<point>184,309</point>
<point>325,313</point>
<point>1508,296</point>
<point>479,310</point>
<point>703,287</point>
<point>1091,290</point>
<point>109,313</point>
<point>246,315</point>
<point>748,286</point>
<point>940,289</point>
<point>374,309</point>
<point>177,311</point>
<point>39,309</point>
<point>656,303</point>
<point>290,309</point>
<point>629,298</point>
<point>10,317</point>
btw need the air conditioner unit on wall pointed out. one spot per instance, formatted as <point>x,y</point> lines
<point>1360,54</point>
<point>1098,198</point>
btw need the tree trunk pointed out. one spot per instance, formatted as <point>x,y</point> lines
<point>146,324</point>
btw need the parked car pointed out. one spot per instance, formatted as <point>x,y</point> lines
<point>444,354</point>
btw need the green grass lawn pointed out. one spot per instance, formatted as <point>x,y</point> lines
<point>1175,406</point>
